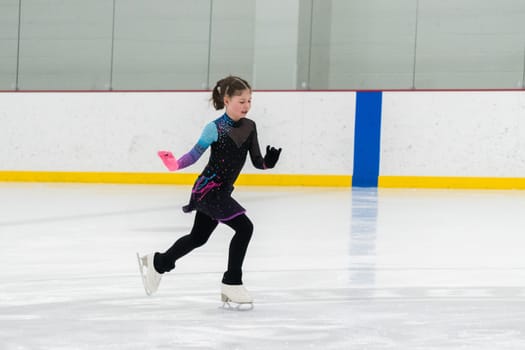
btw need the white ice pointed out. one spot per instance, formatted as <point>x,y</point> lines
<point>328,268</point>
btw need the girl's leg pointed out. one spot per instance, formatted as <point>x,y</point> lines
<point>239,244</point>
<point>201,231</point>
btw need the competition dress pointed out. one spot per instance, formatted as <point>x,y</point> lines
<point>230,142</point>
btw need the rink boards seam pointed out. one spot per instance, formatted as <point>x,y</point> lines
<point>265,179</point>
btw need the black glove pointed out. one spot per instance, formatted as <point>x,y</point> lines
<point>271,157</point>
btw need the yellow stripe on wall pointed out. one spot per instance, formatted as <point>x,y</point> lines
<point>493,183</point>
<point>174,178</point>
<point>95,177</point>
<point>437,182</point>
<point>295,180</point>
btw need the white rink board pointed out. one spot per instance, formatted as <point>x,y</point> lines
<point>122,131</point>
<point>455,133</point>
<point>424,133</point>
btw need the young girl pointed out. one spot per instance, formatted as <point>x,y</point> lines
<point>231,137</point>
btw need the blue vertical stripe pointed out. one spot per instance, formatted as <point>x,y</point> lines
<point>367,138</point>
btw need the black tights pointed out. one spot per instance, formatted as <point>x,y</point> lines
<point>201,231</point>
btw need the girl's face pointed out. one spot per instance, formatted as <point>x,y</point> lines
<point>238,106</point>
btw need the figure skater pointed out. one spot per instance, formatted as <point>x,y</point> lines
<point>231,137</point>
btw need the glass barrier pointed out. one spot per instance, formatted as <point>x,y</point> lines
<point>275,44</point>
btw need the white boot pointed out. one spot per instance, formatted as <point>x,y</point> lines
<point>235,294</point>
<point>151,278</point>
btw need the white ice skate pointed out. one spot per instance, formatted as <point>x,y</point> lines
<point>150,277</point>
<point>238,295</point>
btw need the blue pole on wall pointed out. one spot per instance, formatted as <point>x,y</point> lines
<point>367,138</point>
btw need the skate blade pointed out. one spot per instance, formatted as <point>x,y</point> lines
<point>237,307</point>
<point>230,305</point>
<point>141,262</point>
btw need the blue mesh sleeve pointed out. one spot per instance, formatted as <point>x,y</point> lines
<point>208,136</point>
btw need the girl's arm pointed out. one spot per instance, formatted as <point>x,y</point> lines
<point>209,135</point>
<point>255,151</point>
<point>269,160</point>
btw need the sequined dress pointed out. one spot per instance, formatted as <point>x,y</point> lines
<point>230,142</point>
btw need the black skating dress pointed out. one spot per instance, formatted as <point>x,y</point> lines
<point>230,143</point>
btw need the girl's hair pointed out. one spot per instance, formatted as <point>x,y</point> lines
<point>229,86</point>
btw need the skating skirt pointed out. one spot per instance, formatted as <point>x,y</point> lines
<point>217,204</point>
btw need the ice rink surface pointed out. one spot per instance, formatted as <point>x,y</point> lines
<point>328,268</point>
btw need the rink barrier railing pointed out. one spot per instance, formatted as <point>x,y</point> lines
<point>494,183</point>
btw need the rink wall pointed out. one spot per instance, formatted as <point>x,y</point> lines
<point>453,139</point>
<point>114,136</point>
<point>443,139</point>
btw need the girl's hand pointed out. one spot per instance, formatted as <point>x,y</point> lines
<point>169,160</point>
<point>271,157</point>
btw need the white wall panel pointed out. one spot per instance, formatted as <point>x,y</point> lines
<point>479,134</point>
<point>315,130</point>
<point>121,132</point>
